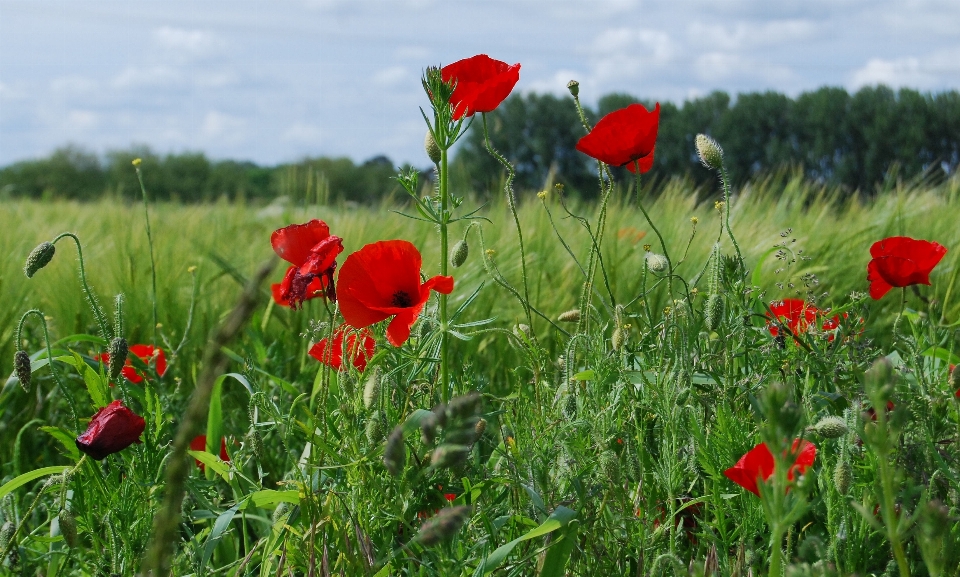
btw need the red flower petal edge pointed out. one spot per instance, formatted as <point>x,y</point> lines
<point>359,348</point>
<point>758,464</point>
<point>482,83</point>
<point>312,251</point>
<point>625,137</point>
<point>147,354</point>
<point>199,443</point>
<point>901,261</point>
<point>798,315</point>
<point>112,429</point>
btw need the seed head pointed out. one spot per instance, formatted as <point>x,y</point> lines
<point>68,528</point>
<point>118,356</point>
<point>395,453</point>
<point>657,262</point>
<point>442,526</point>
<point>460,252</point>
<point>464,405</point>
<point>713,312</point>
<point>432,148</point>
<point>571,316</point>
<point>21,366</point>
<point>39,258</point>
<point>842,477</point>
<point>711,155</point>
<point>574,87</point>
<point>831,427</point>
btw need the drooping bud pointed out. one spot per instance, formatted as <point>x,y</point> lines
<point>21,367</point>
<point>118,356</point>
<point>68,528</point>
<point>657,262</point>
<point>570,405</point>
<point>448,455</point>
<point>711,155</point>
<point>442,526</point>
<point>831,427</point>
<point>571,316</point>
<point>39,258</point>
<point>713,312</point>
<point>395,453</point>
<point>6,533</point>
<point>371,389</point>
<point>842,477</point>
<point>460,253</point>
<point>574,87</point>
<point>376,428</point>
<point>432,148</point>
<point>618,338</point>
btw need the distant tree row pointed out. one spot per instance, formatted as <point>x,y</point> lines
<point>851,140</point>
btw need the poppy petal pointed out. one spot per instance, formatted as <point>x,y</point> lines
<point>398,331</point>
<point>293,243</point>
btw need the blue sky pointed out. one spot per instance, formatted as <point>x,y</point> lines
<point>276,81</point>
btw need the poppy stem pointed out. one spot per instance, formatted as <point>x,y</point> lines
<point>153,263</point>
<point>725,180</point>
<point>444,263</point>
<point>663,245</point>
<point>91,298</point>
<point>56,375</point>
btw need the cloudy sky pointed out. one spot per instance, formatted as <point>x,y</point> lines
<point>279,80</point>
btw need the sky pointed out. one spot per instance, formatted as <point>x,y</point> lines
<point>281,80</point>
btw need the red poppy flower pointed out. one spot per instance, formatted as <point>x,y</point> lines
<point>112,429</point>
<point>758,464</point>
<point>359,351</point>
<point>382,280</point>
<point>450,497</point>
<point>624,137</point>
<point>199,443</point>
<point>872,413</point>
<point>901,261</point>
<point>145,353</point>
<point>312,251</point>
<point>482,83</point>
<point>798,316</point>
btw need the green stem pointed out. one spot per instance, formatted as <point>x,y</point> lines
<point>890,516</point>
<point>153,263</point>
<point>444,258</point>
<point>776,555</point>
<point>56,374</point>
<point>656,231</point>
<point>94,303</point>
<point>726,205</point>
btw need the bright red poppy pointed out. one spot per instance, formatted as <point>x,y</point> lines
<point>482,83</point>
<point>758,464</point>
<point>382,280</point>
<point>799,316</point>
<point>624,137</point>
<point>359,348</point>
<point>147,354</point>
<point>312,251</point>
<point>901,261</point>
<point>112,429</point>
<point>450,497</point>
<point>199,443</point>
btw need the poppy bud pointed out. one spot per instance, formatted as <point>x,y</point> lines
<point>831,427</point>
<point>713,312</point>
<point>711,155</point>
<point>480,427</point>
<point>448,455</point>
<point>574,87</point>
<point>618,337</point>
<point>256,443</point>
<point>656,262</point>
<point>523,329</point>
<point>6,533</point>
<point>21,367</point>
<point>442,526</point>
<point>118,356</point>
<point>371,389</point>
<point>570,406</point>
<point>68,528</point>
<point>460,252</point>
<point>842,477</point>
<point>112,429</point>
<point>609,465</point>
<point>38,258</point>
<point>433,150</point>
<point>571,316</point>
<point>395,453</point>
<point>376,428</point>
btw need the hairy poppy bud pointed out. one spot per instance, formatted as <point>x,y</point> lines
<point>448,455</point>
<point>842,477</point>
<point>570,405</point>
<point>21,367</point>
<point>831,427</point>
<point>442,526</point>
<point>460,252</point>
<point>571,316</point>
<point>376,428</point>
<point>6,533</point>
<point>118,356</point>
<point>523,329</point>
<point>711,155</point>
<point>280,511</point>
<point>433,150</point>
<point>618,338</point>
<point>609,465</point>
<point>371,389</point>
<point>68,528</point>
<point>657,262</point>
<point>713,312</point>
<point>39,258</point>
<point>112,429</point>
<point>395,453</point>
<point>574,87</point>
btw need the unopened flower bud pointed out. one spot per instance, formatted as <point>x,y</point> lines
<point>574,87</point>
<point>609,465</point>
<point>280,511</point>
<point>955,378</point>
<point>136,162</point>
<point>618,337</point>
<point>21,367</point>
<point>6,533</point>
<point>68,528</point>
<point>831,427</point>
<point>571,316</point>
<point>395,453</point>
<point>480,427</point>
<point>460,252</point>
<point>842,477</point>
<point>39,258</point>
<point>371,389</point>
<point>523,329</point>
<point>713,312</point>
<point>442,526</point>
<point>376,428</point>
<point>118,356</point>
<point>711,155</point>
<point>657,262</point>
<point>432,148</point>
<point>570,405</point>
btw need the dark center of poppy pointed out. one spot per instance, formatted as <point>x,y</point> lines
<point>401,300</point>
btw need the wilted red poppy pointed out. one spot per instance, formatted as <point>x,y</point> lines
<point>624,137</point>
<point>482,83</point>
<point>358,350</point>
<point>798,316</point>
<point>901,261</point>
<point>199,443</point>
<point>382,280</point>
<point>312,251</point>
<point>758,464</point>
<point>112,429</point>
<point>147,354</point>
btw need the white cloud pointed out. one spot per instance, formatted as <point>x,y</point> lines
<point>187,42</point>
<point>743,35</point>
<point>390,76</point>
<point>302,133</point>
<point>223,127</point>
<point>716,67</point>
<point>557,83</point>
<point>925,73</point>
<point>139,77</point>
<point>74,85</point>
<point>81,121</point>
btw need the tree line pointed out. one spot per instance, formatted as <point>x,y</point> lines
<point>854,141</point>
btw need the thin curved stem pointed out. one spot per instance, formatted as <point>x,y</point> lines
<point>98,312</point>
<point>663,245</point>
<point>56,375</point>
<point>726,200</point>
<point>153,263</point>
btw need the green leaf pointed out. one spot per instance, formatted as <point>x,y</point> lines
<point>560,518</point>
<point>99,394</point>
<point>587,375</point>
<point>755,277</point>
<point>219,526</point>
<point>555,561</point>
<point>942,354</point>
<point>269,498</point>
<point>67,439</point>
<point>215,414</point>
<point>17,482</point>
<point>212,463</point>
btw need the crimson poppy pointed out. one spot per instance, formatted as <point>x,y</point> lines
<point>145,353</point>
<point>799,316</point>
<point>901,261</point>
<point>624,137</point>
<point>112,429</point>
<point>450,497</point>
<point>482,83</point>
<point>382,280</point>
<point>199,443</point>
<point>758,464</point>
<point>358,351</point>
<point>312,251</point>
